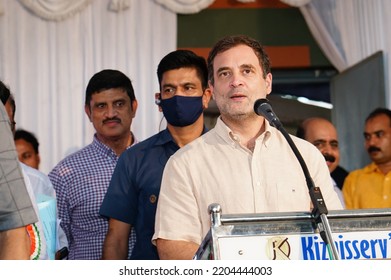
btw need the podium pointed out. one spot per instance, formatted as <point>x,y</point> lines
<point>357,234</point>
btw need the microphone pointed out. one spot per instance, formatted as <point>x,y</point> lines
<point>263,108</point>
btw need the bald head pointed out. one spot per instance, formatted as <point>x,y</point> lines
<point>322,133</point>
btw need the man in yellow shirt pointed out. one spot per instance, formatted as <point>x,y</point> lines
<point>370,187</point>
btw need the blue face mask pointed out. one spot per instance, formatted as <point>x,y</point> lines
<point>182,110</point>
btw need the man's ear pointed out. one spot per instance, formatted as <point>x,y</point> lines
<point>206,98</point>
<point>134,108</point>
<point>88,111</point>
<point>39,159</point>
<point>268,81</point>
<point>211,88</point>
<point>158,100</point>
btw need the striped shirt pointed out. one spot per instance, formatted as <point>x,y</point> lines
<point>81,181</point>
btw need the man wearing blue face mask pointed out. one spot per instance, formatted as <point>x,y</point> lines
<point>133,193</point>
<point>180,110</point>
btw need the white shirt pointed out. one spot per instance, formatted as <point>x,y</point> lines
<point>216,168</point>
<point>40,184</point>
<point>35,231</point>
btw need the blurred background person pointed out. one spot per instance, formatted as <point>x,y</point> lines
<point>27,146</point>
<point>323,135</point>
<point>370,186</point>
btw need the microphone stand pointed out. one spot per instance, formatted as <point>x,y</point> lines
<point>319,211</point>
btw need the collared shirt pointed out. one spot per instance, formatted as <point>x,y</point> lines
<point>216,168</point>
<point>134,189</point>
<point>81,181</point>
<point>367,188</point>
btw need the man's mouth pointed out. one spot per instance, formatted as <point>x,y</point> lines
<point>238,97</point>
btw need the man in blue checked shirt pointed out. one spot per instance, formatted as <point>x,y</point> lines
<point>81,179</point>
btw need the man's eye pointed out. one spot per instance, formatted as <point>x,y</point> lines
<point>27,156</point>
<point>247,71</point>
<point>169,90</point>
<point>379,134</point>
<point>223,74</point>
<point>318,144</point>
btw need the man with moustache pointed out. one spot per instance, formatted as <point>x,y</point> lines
<point>323,135</point>
<point>81,179</point>
<point>370,187</point>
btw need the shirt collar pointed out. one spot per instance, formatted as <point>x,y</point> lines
<point>231,138</point>
<point>372,167</point>
<point>135,140</point>
<point>165,136</point>
<point>106,150</point>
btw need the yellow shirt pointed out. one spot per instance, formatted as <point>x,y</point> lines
<point>367,188</point>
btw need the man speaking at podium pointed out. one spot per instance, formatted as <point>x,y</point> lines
<point>243,164</point>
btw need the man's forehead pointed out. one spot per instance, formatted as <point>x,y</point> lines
<point>322,133</point>
<point>109,95</point>
<point>247,56</point>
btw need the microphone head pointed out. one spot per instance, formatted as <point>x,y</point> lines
<point>263,108</point>
<point>261,103</point>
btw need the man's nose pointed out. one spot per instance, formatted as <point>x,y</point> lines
<point>236,80</point>
<point>327,148</point>
<point>111,111</point>
<point>371,140</point>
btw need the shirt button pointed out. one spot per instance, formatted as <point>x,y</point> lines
<point>385,197</point>
<point>152,199</point>
<point>236,138</point>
